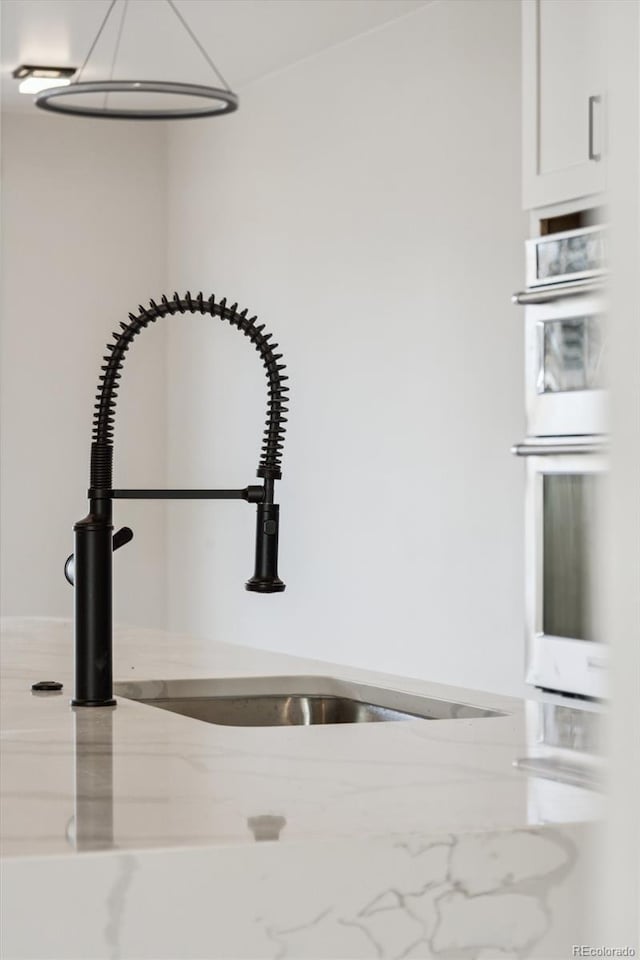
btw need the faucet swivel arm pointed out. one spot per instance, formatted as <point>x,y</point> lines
<point>90,568</point>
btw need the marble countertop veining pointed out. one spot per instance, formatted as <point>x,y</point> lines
<point>138,778</point>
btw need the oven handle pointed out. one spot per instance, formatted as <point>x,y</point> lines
<point>528,449</point>
<point>550,293</point>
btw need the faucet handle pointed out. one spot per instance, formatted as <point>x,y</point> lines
<point>120,537</point>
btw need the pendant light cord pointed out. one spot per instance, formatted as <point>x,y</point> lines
<point>119,38</point>
<point>95,40</point>
<point>124,13</point>
<point>114,59</point>
<point>198,44</point>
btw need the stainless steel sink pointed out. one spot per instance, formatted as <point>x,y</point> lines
<point>287,701</point>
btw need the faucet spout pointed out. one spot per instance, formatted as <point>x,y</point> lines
<point>90,568</point>
<point>265,578</point>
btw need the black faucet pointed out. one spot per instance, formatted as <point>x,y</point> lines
<point>90,567</point>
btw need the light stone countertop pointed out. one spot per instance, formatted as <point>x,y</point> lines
<point>175,781</point>
<point>408,838</point>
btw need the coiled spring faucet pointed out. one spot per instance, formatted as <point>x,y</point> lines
<point>90,567</point>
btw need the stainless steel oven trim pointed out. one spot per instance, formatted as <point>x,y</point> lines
<point>556,446</point>
<point>556,663</point>
<point>558,291</point>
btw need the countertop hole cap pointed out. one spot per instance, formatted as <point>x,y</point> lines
<point>46,686</point>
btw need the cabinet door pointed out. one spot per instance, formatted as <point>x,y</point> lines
<point>563,85</point>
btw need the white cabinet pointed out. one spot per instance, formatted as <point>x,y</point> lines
<point>563,87</point>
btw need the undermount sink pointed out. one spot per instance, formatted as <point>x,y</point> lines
<point>292,701</point>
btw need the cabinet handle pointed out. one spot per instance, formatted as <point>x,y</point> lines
<point>592,154</point>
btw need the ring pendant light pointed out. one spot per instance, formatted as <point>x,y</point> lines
<point>214,100</point>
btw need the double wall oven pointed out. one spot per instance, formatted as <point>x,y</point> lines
<point>565,452</point>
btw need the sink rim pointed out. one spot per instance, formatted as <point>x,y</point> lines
<point>419,707</point>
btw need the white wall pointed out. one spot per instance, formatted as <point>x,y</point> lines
<point>366,202</point>
<point>84,240</point>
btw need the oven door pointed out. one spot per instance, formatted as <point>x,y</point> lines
<point>564,643</point>
<point>565,344</point>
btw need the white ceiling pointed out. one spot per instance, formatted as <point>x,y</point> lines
<point>247,39</point>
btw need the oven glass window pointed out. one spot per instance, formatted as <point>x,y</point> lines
<point>570,354</point>
<point>578,254</point>
<point>569,532</point>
